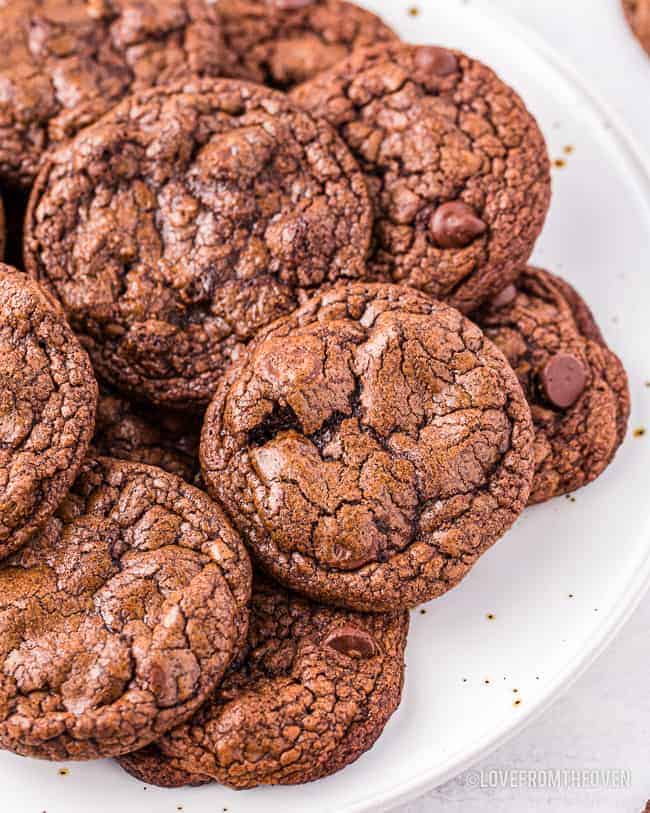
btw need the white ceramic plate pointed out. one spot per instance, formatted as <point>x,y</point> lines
<point>563,581</point>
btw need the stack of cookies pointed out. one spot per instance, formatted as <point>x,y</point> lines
<point>292,251</point>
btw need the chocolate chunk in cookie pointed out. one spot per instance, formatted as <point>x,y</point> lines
<point>187,219</point>
<point>456,166</point>
<point>637,13</point>
<point>64,63</point>
<point>139,433</point>
<point>284,42</point>
<point>313,694</point>
<point>576,386</point>
<point>120,617</point>
<point>375,444</point>
<point>47,408</point>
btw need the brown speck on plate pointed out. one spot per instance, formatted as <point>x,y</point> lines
<point>490,616</point>
<point>570,595</point>
<point>63,771</point>
<point>486,681</point>
<point>569,149</point>
<point>515,690</point>
<point>559,163</point>
<point>640,432</point>
<point>414,11</point>
<point>423,612</point>
<point>517,702</point>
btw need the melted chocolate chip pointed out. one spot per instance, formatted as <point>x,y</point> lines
<point>505,297</point>
<point>353,642</point>
<point>563,380</point>
<point>435,60</point>
<point>455,225</point>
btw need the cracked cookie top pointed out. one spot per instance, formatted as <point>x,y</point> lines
<point>456,166</point>
<point>284,42</point>
<point>63,63</point>
<point>187,219</point>
<point>375,445</point>
<point>120,617</point>
<point>136,432</point>
<point>314,692</point>
<point>47,408</point>
<point>577,388</point>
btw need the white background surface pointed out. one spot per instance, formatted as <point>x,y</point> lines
<point>604,720</point>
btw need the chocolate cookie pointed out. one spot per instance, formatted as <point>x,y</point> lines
<point>456,166</point>
<point>187,219</point>
<point>47,408</point>
<point>314,693</point>
<point>637,13</point>
<point>158,438</point>
<point>3,230</point>
<point>120,617</point>
<point>284,42</point>
<point>151,766</point>
<point>576,387</point>
<point>63,63</point>
<point>376,444</point>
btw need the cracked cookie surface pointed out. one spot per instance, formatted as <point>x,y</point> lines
<point>47,408</point>
<point>284,42</point>
<point>120,616</point>
<point>141,434</point>
<point>314,692</point>
<point>64,63</point>
<point>576,386</point>
<point>375,445</point>
<point>456,166</point>
<point>170,246</point>
<point>637,13</point>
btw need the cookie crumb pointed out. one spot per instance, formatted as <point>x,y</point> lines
<point>570,595</point>
<point>413,11</point>
<point>640,432</point>
<point>490,616</point>
<point>64,771</point>
<point>486,681</point>
<point>559,163</point>
<point>464,680</point>
<point>423,612</point>
<point>515,691</point>
<point>517,702</point>
<point>568,149</point>
<point>570,497</point>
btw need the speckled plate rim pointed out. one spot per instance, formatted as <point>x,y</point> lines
<point>597,644</point>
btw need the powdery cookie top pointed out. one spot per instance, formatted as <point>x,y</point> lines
<point>63,63</point>
<point>375,445</point>
<point>120,617</point>
<point>638,16</point>
<point>577,388</point>
<point>456,165</point>
<point>47,408</point>
<point>313,694</point>
<point>184,221</point>
<point>284,42</point>
<point>139,433</point>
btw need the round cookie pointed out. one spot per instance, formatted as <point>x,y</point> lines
<point>170,246</point>
<point>63,63</point>
<point>456,166</point>
<point>314,693</point>
<point>120,617</point>
<point>136,432</point>
<point>151,766</point>
<point>3,230</point>
<point>47,408</point>
<point>284,42</point>
<point>375,444</point>
<point>577,388</point>
<point>637,13</point>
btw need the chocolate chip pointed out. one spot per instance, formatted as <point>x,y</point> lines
<point>455,225</point>
<point>353,642</point>
<point>563,380</point>
<point>290,5</point>
<point>438,61</point>
<point>505,297</point>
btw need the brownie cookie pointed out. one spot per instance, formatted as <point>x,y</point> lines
<point>3,230</point>
<point>184,221</point>
<point>314,693</point>
<point>284,42</point>
<point>63,63</point>
<point>576,387</point>
<point>376,444</point>
<point>120,617</point>
<point>151,766</point>
<point>47,408</point>
<point>638,16</point>
<point>456,166</point>
<point>139,433</point>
